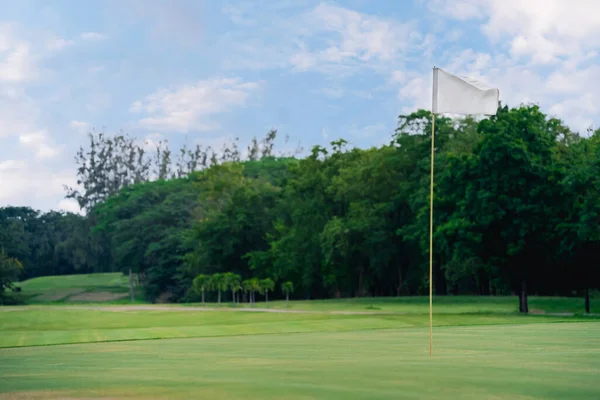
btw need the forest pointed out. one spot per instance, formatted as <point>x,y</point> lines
<point>517,212</point>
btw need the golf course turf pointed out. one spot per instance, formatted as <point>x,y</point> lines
<point>171,352</point>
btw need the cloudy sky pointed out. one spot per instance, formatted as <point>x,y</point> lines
<point>208,70</point>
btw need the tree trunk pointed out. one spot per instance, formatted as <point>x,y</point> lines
<point>360,282</point>
<point>523,304</point>
<point>266,296</point>
<point>399,287</point>
<point>131,285</point>
<point>439,279</point>
<point>202,296</point>
<point>587,301</point>
<point>287,299</point>
<point>233,297</point>
<point>219,297</point>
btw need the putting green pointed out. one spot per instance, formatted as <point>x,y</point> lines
<point>537,361</point>
<point>114,352</point>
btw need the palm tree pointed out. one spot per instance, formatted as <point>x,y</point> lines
<point>267,285</point>
<point>232,281</point>
<point>247,285</point>
<point>218,283</point>
<point>254,287</point>
<point>237,289</point>
<point>201,283</point>
<point>287,288</point>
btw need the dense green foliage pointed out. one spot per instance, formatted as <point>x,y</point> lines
<point>52,243</point>
<point>517,210</point>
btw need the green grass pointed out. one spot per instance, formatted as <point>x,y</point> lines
<point>523,362</point>
<point>45,283</point>
<point>60,325</point>
<point>441,304</point>
<point>482,350</point>
<point>67,288</point>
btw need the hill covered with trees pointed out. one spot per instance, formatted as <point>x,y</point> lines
<point>517,203</point>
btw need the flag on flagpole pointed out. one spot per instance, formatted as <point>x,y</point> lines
<point>459,95</point>
<point>453,95</point>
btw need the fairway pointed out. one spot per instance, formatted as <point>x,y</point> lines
<point>84,288</point>
<point>181,353</point>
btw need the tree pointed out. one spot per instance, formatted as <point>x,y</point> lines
<point>51,243</point>
<point>287,288</point>
<point>219,283</point>
<point>247,287</point>
<point>508,183</point>
<point>233,283</point>
<point>201,283</point>
<point>109,164</point>
<point>234,214</point>
<point>579,229</point>
<point>516,211</point>
<point>147,225</point>
<point>251,286</point>
<point>10,269</point>
<point>266,285</point>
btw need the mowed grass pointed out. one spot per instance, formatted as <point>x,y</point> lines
<point>84,281</point>
<point>104,287</point>
<point>174,352</point>
<point>36,326</point>
<point>441,305</point>
<point>520,362</point>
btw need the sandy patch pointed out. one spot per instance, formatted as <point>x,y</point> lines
<point>97,296</point>
<point>49,394</point>
<point>57,294</point>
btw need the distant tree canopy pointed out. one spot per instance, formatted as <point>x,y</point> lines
<point>517,211</point>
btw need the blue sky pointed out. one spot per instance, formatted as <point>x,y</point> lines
<point>206,71</point>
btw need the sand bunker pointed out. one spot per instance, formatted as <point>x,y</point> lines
<point>58,294</point>
<point>97,296</point>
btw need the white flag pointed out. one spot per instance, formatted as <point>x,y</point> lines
<point>459,95</point>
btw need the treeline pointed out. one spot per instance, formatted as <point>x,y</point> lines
<point>53,243</point>
<point>517,202</point>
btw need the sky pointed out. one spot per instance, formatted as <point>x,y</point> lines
<point>206,71</point>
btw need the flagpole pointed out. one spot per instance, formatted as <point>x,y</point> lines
<point>431,237</point>
<point>433,110</point>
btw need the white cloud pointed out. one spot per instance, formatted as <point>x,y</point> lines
<point>16,61</point>
<point>545,30</point>
<point>341,38</point>
<point>178,22</point>
<point>28,183</point>
<point>92,36</point>
<point>326,38</point>
<point>151,142</point>
<point>458,9</point>
<point>80,126</point>
<point>58,44</point>
<point>398,76</point>
<point>415,92</point>
<point>333,92</point>
<point>189,107</point>
<point>12,165</point>
<point>541,51</point>
<point>40,144</point>
<point>69,205</point>
<point>370,130</point>
<point>18,112</point>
